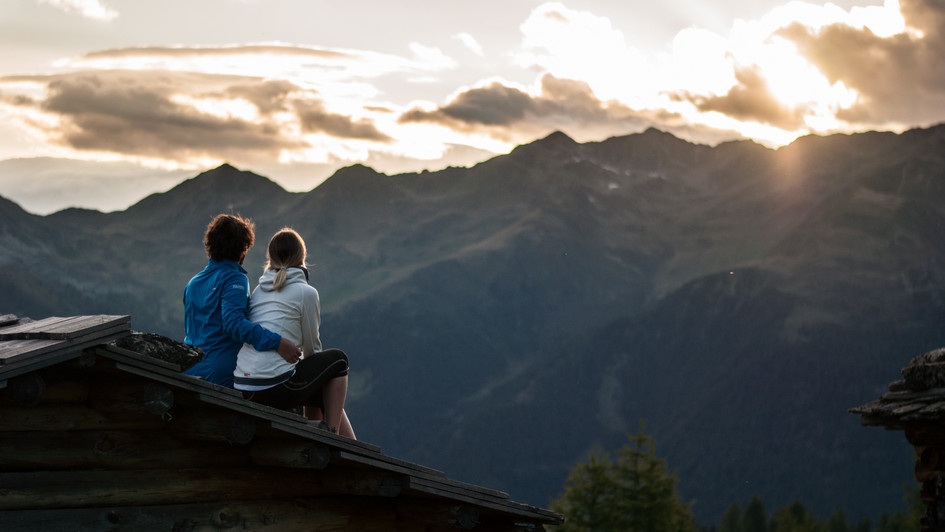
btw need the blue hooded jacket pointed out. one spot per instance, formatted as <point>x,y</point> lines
<point>216,310</point>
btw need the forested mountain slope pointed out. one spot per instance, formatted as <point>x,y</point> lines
<point>502,319</point>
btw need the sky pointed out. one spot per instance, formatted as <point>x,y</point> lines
<point>103,102</point>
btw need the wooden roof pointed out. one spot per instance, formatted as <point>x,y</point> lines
<point>340,466</point>
<point>917,399</point>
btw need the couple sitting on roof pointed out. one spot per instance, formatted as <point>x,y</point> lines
<point>265,344</point>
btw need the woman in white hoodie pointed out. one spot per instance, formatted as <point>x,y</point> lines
<point>286,304</point>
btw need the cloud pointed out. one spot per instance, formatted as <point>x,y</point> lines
<point>333,70</point>
<point>899,78</point>
<point>183,117</point>
<point>508,113</point>
<point>492,105</point>
<point>432,58</point>
<point>199,51</point>
<point>315,119</point>
<point>470,42</point>
<point>120,114</point>
<point>269,96</point>
<point>750,99</point>
<point>93,9</point>
<point>571,44</point>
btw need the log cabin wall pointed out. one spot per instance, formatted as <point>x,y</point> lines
<point>96,437</point>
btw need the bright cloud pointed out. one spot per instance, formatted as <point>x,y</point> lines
<point>582,46</point>
<point>93,9</point>
<point>431,57</point>
<point>470,42</point>
<point>801,68</point>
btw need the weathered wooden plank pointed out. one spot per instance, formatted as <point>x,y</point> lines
<point>389,463</point>
<point>83,325</point>
<point>445,487</point>
<point>24,351</point>
<point>141,397</point>
<point>90,488</point>
<point>251,407</point>
<point>315,434</point>
<point>143,359</point>
<point>328,514</point>
<point>32,326</point>
<point>287,421</point>
<point>358,482</point>
<point>61,389</point>
<point>67,349</point>
<point>67,328</point>
<point>454,516</point>
<point>907,395</point>
<point>8,319</point>
<point>10,349</point>
<point>154,372</point>
<point>110,449</point>
<point>905,408</point>
<point>206,424</point>
<point>71,417</point>
<point>290,453</point>
<point>477,499</point>
<point>63,507</point>
<point>22,365</point>
<point>25,390</point>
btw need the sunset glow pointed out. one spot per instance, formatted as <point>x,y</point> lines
<point>268,92</point>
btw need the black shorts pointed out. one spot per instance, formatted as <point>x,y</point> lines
<point>305,387</point>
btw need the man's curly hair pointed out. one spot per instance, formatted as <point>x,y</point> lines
<point>229,237</point>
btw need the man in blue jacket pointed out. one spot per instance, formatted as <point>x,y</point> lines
<point>216,304</point>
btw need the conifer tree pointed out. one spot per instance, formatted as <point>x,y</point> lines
<point>731,519</point>
<point>631,492</point>
<point>586,503</point>
<point>794,518</point>
<point>837,522</point>
<point>756,517</point>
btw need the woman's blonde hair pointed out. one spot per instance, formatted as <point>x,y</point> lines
<point>286,250</point>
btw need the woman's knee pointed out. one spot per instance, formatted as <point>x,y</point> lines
<point>337,354</point>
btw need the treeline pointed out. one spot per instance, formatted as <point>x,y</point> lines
<point>632,490</point>
<point>795,517</point>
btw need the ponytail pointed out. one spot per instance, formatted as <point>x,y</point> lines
<point>279,280</point>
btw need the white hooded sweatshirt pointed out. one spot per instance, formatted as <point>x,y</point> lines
<point>292,312</point>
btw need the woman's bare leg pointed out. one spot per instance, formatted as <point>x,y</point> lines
<point>333,397</point>
<point>345,429</point>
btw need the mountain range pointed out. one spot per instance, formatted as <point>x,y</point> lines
<point>504,319</point>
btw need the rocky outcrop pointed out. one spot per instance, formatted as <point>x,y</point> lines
<point>161,348</point>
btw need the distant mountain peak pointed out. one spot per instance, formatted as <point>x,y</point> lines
<point>354,175</point>
<point>556,142</point>
<point>653,134</point>
<point>357,169</point>
<point>558,136</point>
<point>225,167</point>
<point>228,173</point>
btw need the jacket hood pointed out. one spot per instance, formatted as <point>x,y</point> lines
<point>293,275</point>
